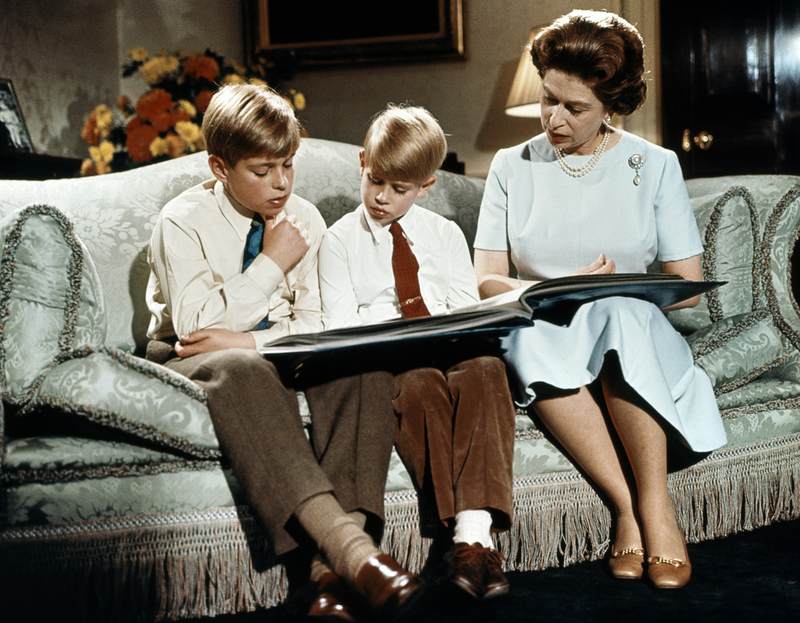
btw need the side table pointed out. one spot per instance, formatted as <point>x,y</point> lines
<point>21,165</point>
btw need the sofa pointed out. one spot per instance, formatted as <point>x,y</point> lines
<point>116,504</point>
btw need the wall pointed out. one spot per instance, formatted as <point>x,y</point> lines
<point>467,97</point>
<point>65,57</point>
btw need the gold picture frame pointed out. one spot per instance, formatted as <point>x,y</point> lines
<point>315,33</point>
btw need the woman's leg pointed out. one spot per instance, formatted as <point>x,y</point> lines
<point>645,443</point>
<point>579,425</point>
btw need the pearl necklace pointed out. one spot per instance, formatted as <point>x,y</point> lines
<point>584,169</point>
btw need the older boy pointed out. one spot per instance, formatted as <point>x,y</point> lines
<point>455,417</point>
<point>233,266</point>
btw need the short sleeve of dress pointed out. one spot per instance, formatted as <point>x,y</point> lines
<point>678,237</point>
<point>491,234</point>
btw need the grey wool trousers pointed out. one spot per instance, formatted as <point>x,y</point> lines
<point>257,421</point>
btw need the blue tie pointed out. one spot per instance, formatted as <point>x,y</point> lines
<point>252,247</point>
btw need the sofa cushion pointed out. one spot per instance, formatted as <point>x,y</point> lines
<point>64,479</point>
<point>729,224</point>
<point>110,390</point>
<point>50,297</point>
<point>738,349</point>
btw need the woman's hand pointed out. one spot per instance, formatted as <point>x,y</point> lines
<point>206,340</point>
<point>601,266</point>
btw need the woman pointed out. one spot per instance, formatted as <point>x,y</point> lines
<point>586,198</point>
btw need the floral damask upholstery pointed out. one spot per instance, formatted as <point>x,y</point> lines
<point>116,503</point>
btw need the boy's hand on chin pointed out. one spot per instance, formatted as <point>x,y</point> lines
<point>206,340</point>
<point>285,243</point>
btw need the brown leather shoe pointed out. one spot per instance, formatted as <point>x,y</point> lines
<point>496,584</point>
<point>668,572</point>
<point>476,570</point>
<point>388,589</point>
<point>465,568</point>
<point>627,564</point>
<point>326,598</point>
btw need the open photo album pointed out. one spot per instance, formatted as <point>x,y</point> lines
<point>553,300</point>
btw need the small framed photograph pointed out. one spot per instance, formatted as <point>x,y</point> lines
<point>14,135</point>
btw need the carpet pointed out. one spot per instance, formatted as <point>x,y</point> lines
<point>752,576</point>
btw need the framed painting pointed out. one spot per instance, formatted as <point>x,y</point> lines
<point>14,135</point>
<point>355,31</point>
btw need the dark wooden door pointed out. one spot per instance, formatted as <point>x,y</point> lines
<point>731,85</point>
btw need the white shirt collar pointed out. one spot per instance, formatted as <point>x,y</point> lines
<point>380,233</point>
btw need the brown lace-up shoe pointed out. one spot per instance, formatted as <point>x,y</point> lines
<point>476,570</point>
<point>328,598</point>
<point>496,584</point>
<point>388,589</point>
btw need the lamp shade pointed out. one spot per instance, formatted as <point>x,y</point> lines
<point>523,99</point>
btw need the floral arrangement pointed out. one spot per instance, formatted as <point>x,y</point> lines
<point>165,122</point>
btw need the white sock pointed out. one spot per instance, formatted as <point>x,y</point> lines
<point>473,526</point>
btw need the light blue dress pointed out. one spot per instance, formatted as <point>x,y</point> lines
<point>553,224</point>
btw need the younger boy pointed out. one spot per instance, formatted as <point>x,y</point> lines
<point>455,418</point>
<point>233,266</point>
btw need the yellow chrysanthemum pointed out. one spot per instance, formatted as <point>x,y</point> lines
<point>258,82</point>
<point>159,147</point>
<point>88,167</point>
<point>233,79</point>
<point>187,107</point>
<point>104,119</point>
<point>191,135</point>
<point>158,68</point>
<point>299,101</point>
<point>106,149</point>
<point>138,54</point>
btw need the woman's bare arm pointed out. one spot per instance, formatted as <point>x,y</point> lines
<point>691,268</point>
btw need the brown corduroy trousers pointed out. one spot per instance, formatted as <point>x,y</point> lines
<point>455,435</point>
<point>257,421</point>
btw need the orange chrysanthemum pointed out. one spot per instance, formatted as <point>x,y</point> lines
<point>154,103</point>
<point>140,135</point>
<point>202,100</point>
<point>175,145</point>
<point>179,115</point>
<point>122,103</point>
<point>162,121</point>
<point>89,132</point>
<point>201,67</point>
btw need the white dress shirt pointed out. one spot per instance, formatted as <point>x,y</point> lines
<point>196,279</point>
<point>355,267</point>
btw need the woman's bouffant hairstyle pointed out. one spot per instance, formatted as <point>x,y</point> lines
<point>245,121</point>
<point>405,143</point>
<point>600,48</point>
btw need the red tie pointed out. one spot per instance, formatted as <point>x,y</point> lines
<point>405,267</point>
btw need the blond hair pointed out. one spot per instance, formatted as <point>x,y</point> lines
<point>247,120</point>
<point>405,143</point>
